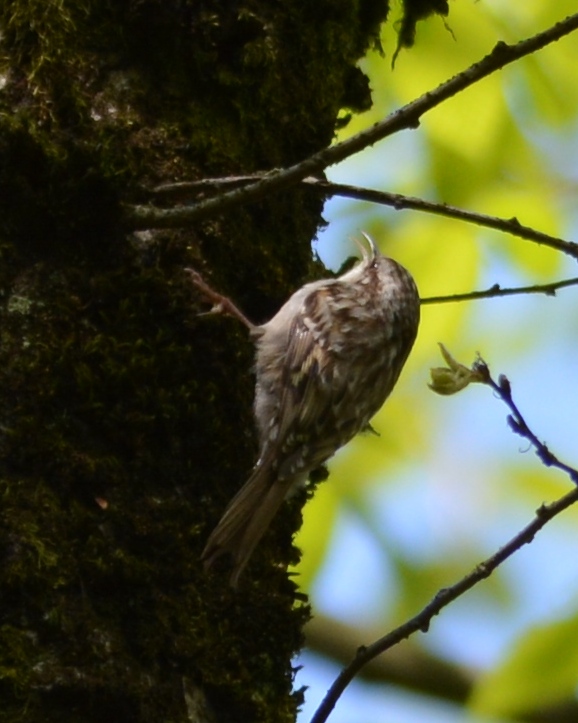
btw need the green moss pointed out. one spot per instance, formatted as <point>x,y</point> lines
<point>413,12</point>
<point>125,419</point>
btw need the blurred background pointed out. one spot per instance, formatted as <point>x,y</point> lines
<point>447,483</point>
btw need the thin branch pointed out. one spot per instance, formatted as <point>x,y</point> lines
<point>185,189</point>
<point>496,290</point>
<point>517,422</point>
<point>411,667</point>
<point>447,595</point>
<point>408,666</point>
<point>143,217</point>
<point>443,598</point>
<point>399,202</point>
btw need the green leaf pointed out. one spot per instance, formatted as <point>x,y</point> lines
<point>541,670</point>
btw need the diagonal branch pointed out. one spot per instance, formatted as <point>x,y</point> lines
<point>143,217</point>
<point>185,189</point>
<point>517,422</point>
<point>417,670</point>
<point>496,290</point>
<point>399,201</point>
<point>445,596</point>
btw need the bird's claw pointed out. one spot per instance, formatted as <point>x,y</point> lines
<point>214,310</point>
<point>220,304</point>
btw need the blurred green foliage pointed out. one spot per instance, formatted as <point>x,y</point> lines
<point>503,147</point>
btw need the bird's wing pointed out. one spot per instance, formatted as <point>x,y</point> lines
<point>312,386</point>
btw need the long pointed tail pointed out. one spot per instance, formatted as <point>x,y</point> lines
<point>245,521</point>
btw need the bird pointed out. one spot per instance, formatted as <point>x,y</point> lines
<point>324,365</point>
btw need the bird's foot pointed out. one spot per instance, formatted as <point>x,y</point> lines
<point>220,304</point>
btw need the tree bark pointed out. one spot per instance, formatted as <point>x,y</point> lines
<point>125,419</point>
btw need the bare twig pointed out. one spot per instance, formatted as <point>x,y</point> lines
<point>399,202</point>
<point>447,595</point>
<point>517,422</point>
<point>415,669</point>
<point>408,666</point>
<point>443,598</point>
<point>142,217</point>
<point>496,290</point>
<point>189,189</point>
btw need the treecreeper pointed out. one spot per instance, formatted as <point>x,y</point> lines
<point>324,365</point>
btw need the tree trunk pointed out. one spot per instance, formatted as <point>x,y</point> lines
<point>125,418</point>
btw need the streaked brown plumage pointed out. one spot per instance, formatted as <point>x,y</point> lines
<point>325,364</point>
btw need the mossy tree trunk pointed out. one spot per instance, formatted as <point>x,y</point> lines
<point>125,419</point>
